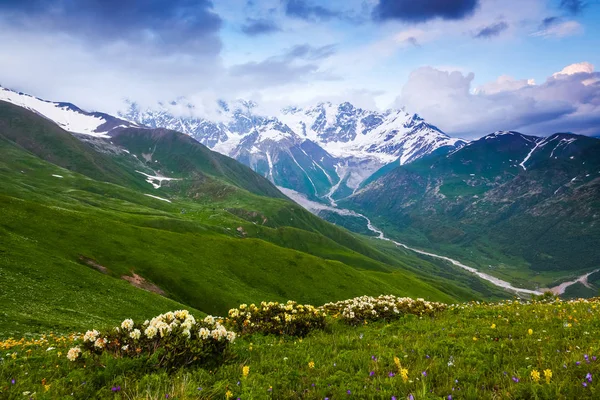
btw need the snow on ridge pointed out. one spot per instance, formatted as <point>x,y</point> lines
<point>65,117</point>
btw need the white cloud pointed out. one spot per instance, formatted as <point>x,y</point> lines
<point>562,29</point>
<point>565,102</point>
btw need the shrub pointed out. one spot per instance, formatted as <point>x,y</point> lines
<point>361,309</point>
<point>173,339</point>
<point>290,318</point>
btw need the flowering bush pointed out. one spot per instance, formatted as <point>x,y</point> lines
<point>366,308</point>
<point>172,339</point>
<point>290,318</point>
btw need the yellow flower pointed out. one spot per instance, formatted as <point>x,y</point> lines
<point>548,375</point>
<point>228,394</point>
<point>493,326</point>
<point>404,373</point>
<point>535,375</point>
<point>397,362</point>
<point>474,339</point>
<point>245,370</point>
<point>311,364</point>
<point>530,331</point>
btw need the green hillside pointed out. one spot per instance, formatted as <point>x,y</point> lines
<point>204,241</point>
<point>535,225</point>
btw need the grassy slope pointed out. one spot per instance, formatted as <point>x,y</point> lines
<point>543,237</point>
<point>190,249</point>
<point>472,352</point>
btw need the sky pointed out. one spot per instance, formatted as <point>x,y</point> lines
<point>470,67</point>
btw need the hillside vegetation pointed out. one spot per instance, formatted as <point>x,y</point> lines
<point>519,207</point>
<point>85,242</point>
<point>506,350</point>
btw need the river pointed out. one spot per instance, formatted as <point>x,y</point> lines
<point>315,207</point>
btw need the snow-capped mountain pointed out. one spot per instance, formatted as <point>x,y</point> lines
<point>324,152</point>
<point>68,116</point>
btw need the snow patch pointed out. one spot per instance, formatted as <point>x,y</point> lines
<point>158,198</point>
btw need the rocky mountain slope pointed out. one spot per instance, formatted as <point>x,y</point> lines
<point>500,199</point>
<point>324,152</point>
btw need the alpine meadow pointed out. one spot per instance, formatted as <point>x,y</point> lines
<point>300,199</point>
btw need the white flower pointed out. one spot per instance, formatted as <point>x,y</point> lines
<point>135,334</point>
<point>90,336</point>
<point>127,324</point>
<point>100,343</point>
<point>125,348</point>
<point>231,336</point>
<point>204,333</point>
<point>151,332</point>
<point>186,333</point>
<point>73,353</point>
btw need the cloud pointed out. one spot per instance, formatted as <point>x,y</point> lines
<point>491,30</point>
<point>295,65</point>
<point>573,6</point>
<point>568,101</point>
<point>305,10</point>
<point>558,29</point>
<point>165,25</point>
<point>424,10</point>
<point>255,27</point>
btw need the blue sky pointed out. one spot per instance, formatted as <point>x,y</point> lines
<point>468,66</point>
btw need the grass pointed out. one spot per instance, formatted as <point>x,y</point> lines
<point>215,245</point>
<point>470,351</point>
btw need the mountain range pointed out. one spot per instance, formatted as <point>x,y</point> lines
<point>324,152</point>
<point>121,220</point>
<point>525,207</point>
<point>522,207</point>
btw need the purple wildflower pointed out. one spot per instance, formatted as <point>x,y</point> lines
<point>348,391</point>
<point>427,356</point>
<point>394,398</point>
<point>199,388</point>
<point>116,388</point>
<point>449,397</point>
<point>586,357</point>
<point>577,363</point>
<point>424,373</point>
<point>167,396</point>
<point>593,358</point>
<point>411,397</point>
<point>313,385</point>
<point>391,374</point>
<point>373,358</point>
<point>515,379</point>
<point>12,381</point>
<point>588,377</point>
<point>372,373</point>
<point>584,384</point>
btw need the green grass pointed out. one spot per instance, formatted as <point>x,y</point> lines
<point>190,248</point>
<point>471,351</point>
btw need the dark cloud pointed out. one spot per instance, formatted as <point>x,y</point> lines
<point>573,6</point>
<point>305,10</point>
<point>413,40</point>
<point>255,27</point>
<point>167,24</point>
<point>296,64</point>
<point>549,21</point>
<point>308,52</point>
<point>423,10</point>
<point>491,30</point>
